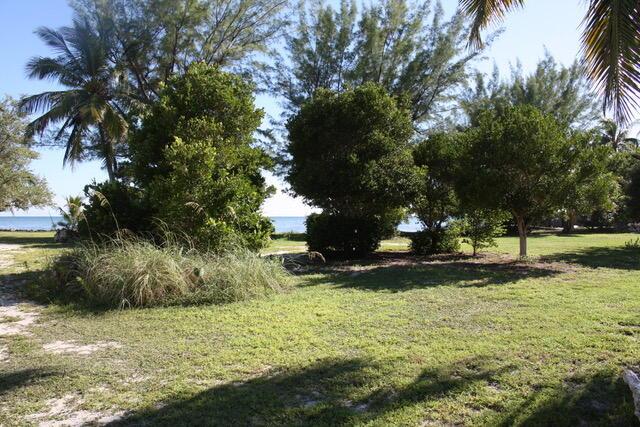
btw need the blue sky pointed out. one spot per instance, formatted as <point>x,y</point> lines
<point>550,24</point>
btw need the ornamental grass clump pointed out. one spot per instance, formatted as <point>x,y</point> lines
<point>132,272</point>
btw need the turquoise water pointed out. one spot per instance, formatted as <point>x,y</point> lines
<point>294,224</point>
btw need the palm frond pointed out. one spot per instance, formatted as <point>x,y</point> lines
<point>484,13</point>
<point>611,49</point>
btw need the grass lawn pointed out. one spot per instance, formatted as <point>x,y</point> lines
<point>393,340</point>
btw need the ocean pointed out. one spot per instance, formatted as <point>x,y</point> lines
<point>283,224</point>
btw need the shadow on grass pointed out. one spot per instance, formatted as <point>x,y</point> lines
<point>328,393</point>
<point>601,400</point>
<point>25,377</point>
<point>621,258</point>
<point>397,278</point>
<point>32,241</point>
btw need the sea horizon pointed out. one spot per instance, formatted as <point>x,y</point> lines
<point>282,223</point>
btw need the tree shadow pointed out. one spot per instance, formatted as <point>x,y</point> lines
<point>22,378</point>
<point>32,240</point>
<point>459,271</point>
<point>621,258</point>
<point>600,400</point>
<point>327,393</point>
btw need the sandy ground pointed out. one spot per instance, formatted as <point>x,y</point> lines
<point>17,317</point>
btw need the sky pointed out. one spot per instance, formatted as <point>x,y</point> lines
<point>543,24</point>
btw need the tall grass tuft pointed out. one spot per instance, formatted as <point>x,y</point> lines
<point>133,272</point>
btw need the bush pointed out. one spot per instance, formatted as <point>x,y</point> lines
<point>338,236</point>
<point>113,206</point>
<point>131,272</point>
<point>350,156</point>
<point>482,226</point>
<point>436,241</point>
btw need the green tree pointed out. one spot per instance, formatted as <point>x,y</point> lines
<point>592,186</point>
<point>516,160</point>
<point>19,187</point>
<point>434,200</point>
<point>552,88</point>
<point>72,213</point>
<point>350,154</point>
<point>154,39</point>
<point>481,227</point>
<point>86,114</point>
<point>407,48</point>
<point>617,137</point>
<point>194,157</point>
<point>609,44</point>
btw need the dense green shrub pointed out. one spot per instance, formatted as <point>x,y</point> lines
<point>433,241</point>
<point>113,206</point>
<point>131,272</point>
<point>345,237</point>
<point>193,167</point>
<point>350,156</point>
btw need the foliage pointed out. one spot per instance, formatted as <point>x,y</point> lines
<point>19,187</point>
<point>609,45</point>
<point>341,236</point>
<point>592,186</point>
<point>194,157</point>
<point>482,226</point>
<point>517,160</point>
<point>350,156</point>
<point>560,91</point>
<point>617,137</point>
<point>153,40</point>
<point>434,200</point>
<point>632,193</point>
<point>408,48</point>
<point>350,151</point>
<point>87,114</point>
<point>72,214</point>
<point>441,240</point>
<point>113,207</point>
<point>126,272</point>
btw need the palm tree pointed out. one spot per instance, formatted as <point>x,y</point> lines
<point>610,45</point>
<point>87,110</point>
<point>73,214</point>
<point>617,137</point>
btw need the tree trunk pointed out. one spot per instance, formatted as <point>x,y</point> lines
<point>570,223</point>
<point>522,232</point>
<point>109,159</point>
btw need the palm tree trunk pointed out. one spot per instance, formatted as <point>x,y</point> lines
<point>107,152</point>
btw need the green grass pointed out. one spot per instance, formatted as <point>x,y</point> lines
<point>394,341</point>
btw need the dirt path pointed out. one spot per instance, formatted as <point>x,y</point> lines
<point>15,314</point>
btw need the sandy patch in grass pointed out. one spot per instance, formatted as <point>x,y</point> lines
<point>15,315</point>
<point>4,353</point>
<point>70,347</point>
<point>64,412</point>
<point>6,258</point>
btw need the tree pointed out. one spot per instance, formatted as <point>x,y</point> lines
<point>553,89</point>
<point>409,49</point>
<point>350,155</point>
<point>434,200</point>
<point>86,114</point>
<point>609,45</point>
<point>482,226</point>
<point>72,214</point>
<point>516,160</point>
<point>617,137</point>
<point>194,158</point>
<point>19,187</point>
<point>152,40</point>
<point>592,186</point>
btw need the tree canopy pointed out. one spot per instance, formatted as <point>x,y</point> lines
<point>20,188</point>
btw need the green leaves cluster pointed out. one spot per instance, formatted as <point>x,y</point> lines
<point>20,188</point>
<point>350,155</point>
